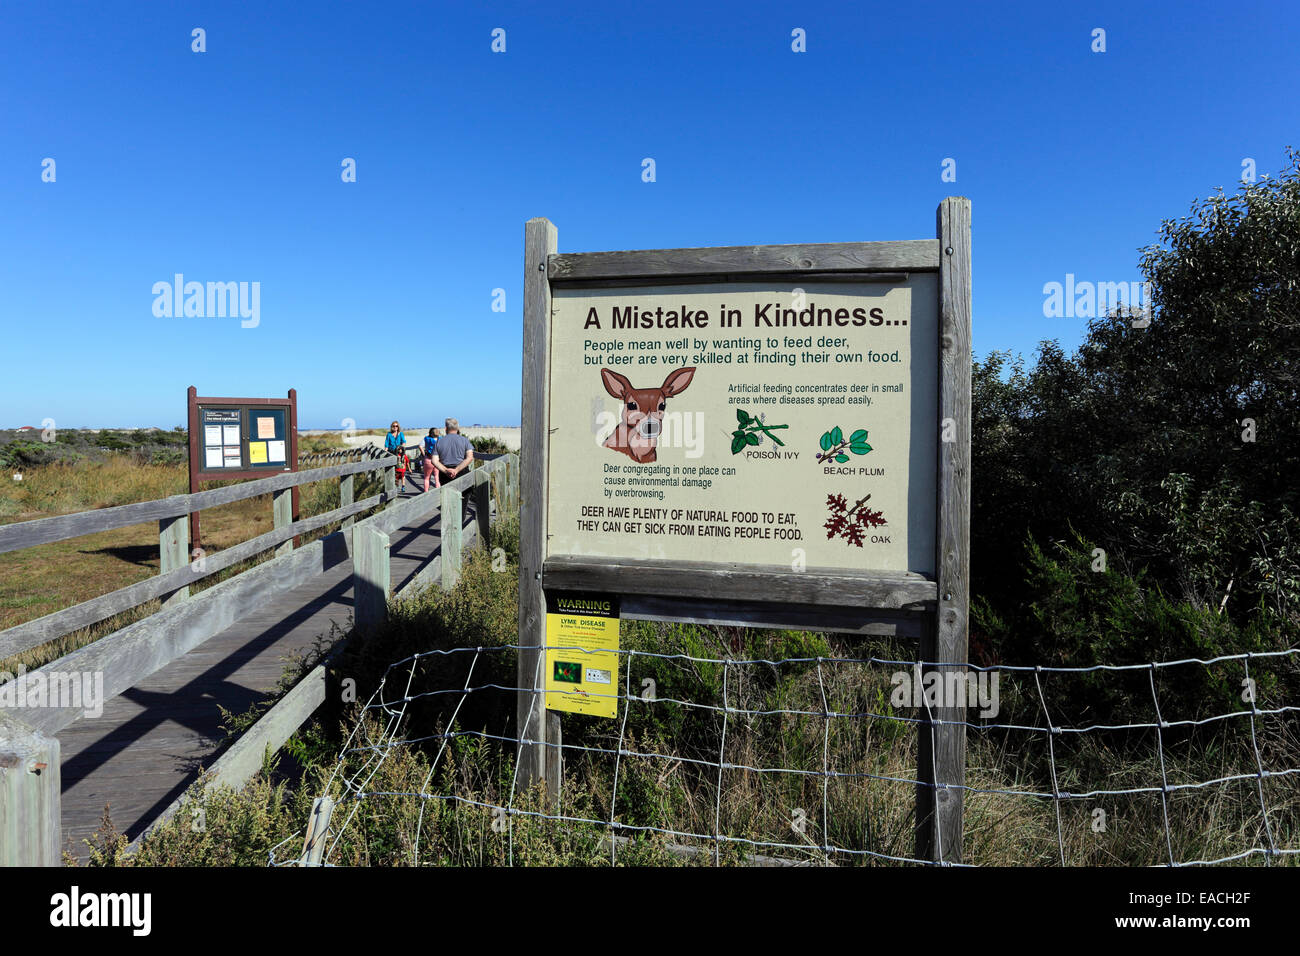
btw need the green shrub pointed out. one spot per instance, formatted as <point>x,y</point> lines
<point>169,456</point>
<point>24,453</point>
<point>1075,615</point>
<point>114,441</point>
<point>489,446</point>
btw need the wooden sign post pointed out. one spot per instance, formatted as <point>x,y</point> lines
<point>767,436</point>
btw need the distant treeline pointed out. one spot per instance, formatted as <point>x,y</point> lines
<point>34,447</point>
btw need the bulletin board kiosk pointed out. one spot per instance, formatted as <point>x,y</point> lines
<point>240,438</point>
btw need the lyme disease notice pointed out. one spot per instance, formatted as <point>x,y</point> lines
<point>746,422</point>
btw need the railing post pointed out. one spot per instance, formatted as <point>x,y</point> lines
<point>282,515</point>
<point>371,576</point>
<point>483,505</point>
<point>450,522</point>
<point>512,480</point>
<point>345,498</point>
<point>30,788</point>
<point>174,552</point>
<point>390,481</point>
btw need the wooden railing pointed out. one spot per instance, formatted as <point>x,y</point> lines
<point>29,749</point>
<point>178,567</point>
<point>356,453</point>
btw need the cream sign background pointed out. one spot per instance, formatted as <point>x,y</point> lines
<point>866,363</point>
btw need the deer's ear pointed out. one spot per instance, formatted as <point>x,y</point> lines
<point>617,385</point>
<point>677,381</point>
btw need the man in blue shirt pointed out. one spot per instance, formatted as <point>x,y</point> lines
<point>453,454</point>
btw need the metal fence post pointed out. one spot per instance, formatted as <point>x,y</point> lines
<point>318,828</point>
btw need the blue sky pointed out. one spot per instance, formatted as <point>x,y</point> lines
<point>376,296</point>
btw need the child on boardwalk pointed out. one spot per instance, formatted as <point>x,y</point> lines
<point>403,463</point>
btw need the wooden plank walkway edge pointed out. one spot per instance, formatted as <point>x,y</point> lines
<point>161,675</point>
<point>131,654</point>
<point>244,758</point>
<point>127,656</point>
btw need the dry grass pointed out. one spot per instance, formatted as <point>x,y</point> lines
<point>38,581</point>
<point>56,490</point>
<point>317,444</point>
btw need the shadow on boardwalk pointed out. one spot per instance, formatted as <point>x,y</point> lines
<point>149,743</point>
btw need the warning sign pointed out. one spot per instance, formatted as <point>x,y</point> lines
<point>582,654</point>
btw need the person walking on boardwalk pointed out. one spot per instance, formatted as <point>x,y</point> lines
<point>454,454</point>
<point>430,444</point>
<point>395,439</point>
<point>395,444</point>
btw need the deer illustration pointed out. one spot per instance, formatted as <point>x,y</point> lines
<point>637,433</point>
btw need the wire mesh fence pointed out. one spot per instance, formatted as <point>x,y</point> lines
<point>812,760</point>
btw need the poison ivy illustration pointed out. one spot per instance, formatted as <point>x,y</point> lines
<point>851,524</point>
<point>834,445</point>
<point>751,431</point>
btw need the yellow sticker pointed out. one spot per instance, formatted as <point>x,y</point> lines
<point>256,452</point>
<point>582,654</point>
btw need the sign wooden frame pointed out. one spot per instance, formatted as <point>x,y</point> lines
<point>198,473</point>
<point>931,608</point>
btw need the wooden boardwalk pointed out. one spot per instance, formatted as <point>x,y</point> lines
<point>149,743</point>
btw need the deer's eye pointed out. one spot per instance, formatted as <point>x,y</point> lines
<point>661,406</point>
<point>632,405</point>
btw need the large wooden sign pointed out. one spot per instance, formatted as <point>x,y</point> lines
<point>767,435</point>
<point>747,423</point>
